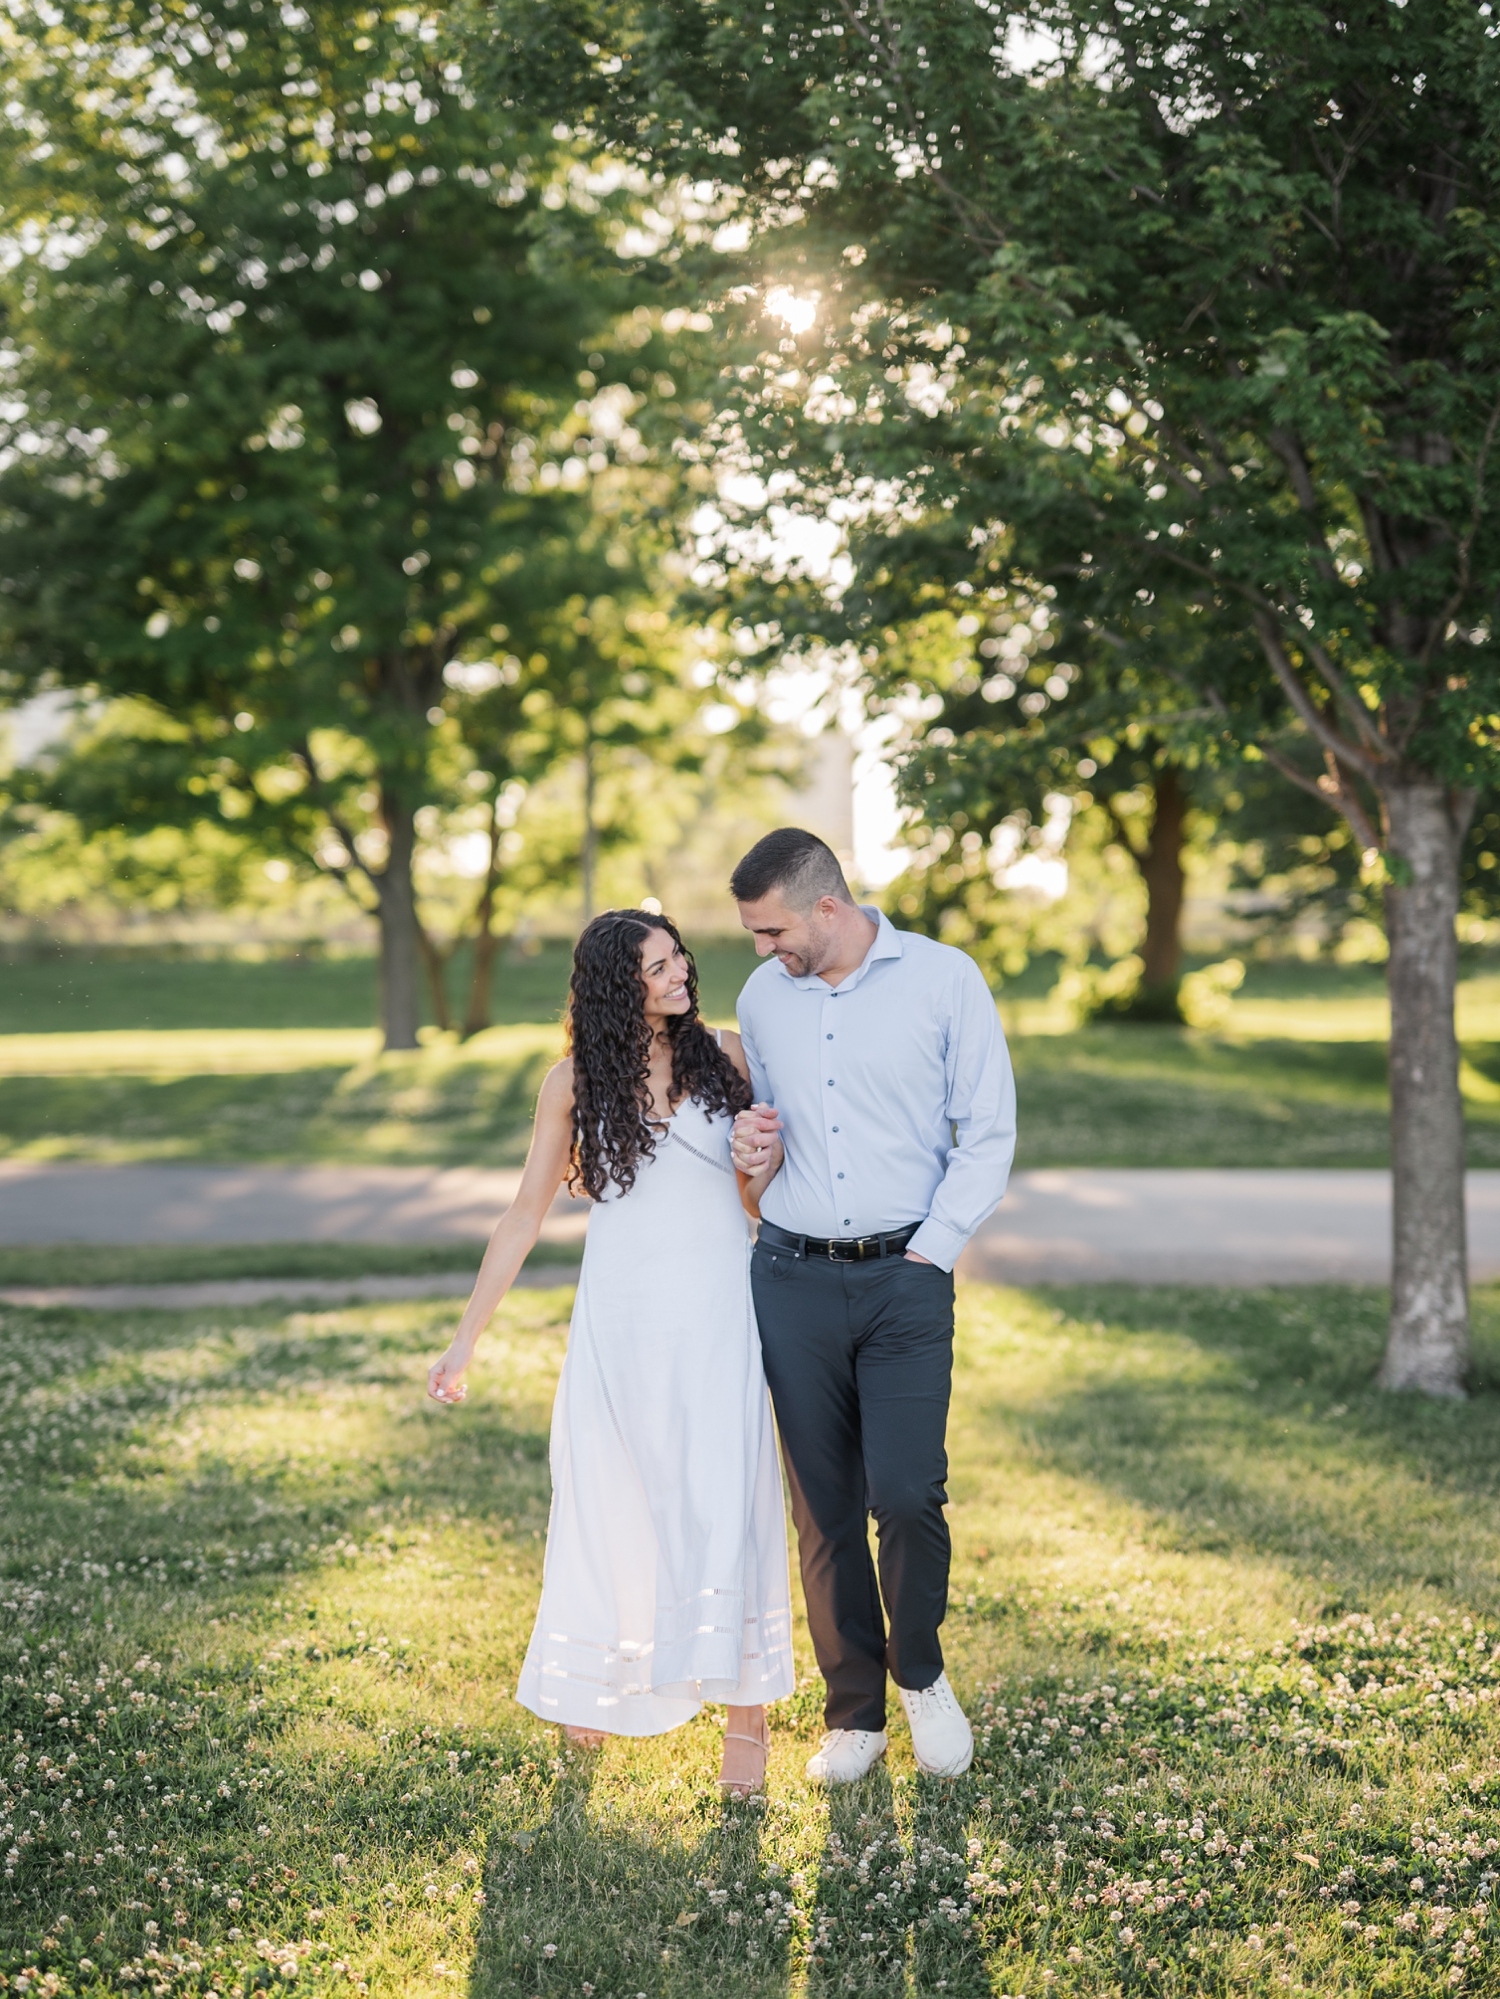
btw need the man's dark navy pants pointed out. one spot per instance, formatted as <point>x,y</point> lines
<point>859,1357</point>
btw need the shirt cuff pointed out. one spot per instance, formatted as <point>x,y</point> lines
<point>938,1243</point>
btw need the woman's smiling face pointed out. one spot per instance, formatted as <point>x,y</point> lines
<point>664,976</point>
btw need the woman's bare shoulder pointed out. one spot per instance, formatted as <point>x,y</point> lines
<point>734,1048</point>
<point>556,1093</point>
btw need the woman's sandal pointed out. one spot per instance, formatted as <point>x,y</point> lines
<point>745,1786</point>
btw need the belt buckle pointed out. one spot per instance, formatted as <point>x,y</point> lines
<point>839,1244</point>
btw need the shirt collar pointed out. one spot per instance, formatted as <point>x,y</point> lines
<point>886,944</point>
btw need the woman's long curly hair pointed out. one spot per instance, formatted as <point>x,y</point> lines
<point>610,1042</point>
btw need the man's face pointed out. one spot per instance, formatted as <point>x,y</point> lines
<point>801,938</point>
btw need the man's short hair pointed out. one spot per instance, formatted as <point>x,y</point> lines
<point>799,864</point>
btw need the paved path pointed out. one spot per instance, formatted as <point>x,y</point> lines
<point>1207,1227</point>
<point>165,1204</point>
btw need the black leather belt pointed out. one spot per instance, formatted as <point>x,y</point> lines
<point>840,1249</point>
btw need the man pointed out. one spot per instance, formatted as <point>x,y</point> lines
<point>878,1063</point>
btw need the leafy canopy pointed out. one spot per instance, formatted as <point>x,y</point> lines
<point>319,399</point>
<point>1132,307</point>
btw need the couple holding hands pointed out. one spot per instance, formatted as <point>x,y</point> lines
<point>865,1115</point>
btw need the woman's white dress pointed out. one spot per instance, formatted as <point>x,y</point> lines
<point>666,1580</point>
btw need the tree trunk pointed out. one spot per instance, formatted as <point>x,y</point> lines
<point>1428,1346</point>
<point>486,943</point>
<point>1160,862</point>
<point>477,1014</point>
<point>400,932</point>
<point>1161,870</point>
<point>435,963</point>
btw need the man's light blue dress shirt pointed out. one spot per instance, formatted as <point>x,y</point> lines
<point>895,1091</point>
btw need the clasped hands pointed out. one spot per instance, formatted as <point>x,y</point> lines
<point>756,1141</point>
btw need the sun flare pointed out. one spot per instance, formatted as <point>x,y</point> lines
<point>796,314</point>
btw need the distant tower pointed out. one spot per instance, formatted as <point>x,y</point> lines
<point>824,802</point>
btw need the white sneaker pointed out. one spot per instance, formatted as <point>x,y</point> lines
<point>940,1733</point>
<point>847,1755</point>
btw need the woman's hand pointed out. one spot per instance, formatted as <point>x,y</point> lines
<point>756,1143</point>
<point>445,1378</point>
<point>757,1150</point>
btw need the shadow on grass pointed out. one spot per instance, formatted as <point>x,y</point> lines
<point>1193,1404</point>
<point>124,1431</point>
<point>888,1915</point>
<point>858,1926</point>
<point>946,1956</point>
<point>1144,1095</point>
<point>435,1106</point>
<point>264,1504</point>
<point>330,1586</point>
<point>600,1893</point>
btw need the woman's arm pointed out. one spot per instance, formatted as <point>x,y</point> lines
<point>515,1232</point>
<point>754,1184</point>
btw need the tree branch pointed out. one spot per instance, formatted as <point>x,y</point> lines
<point>1322,227</point>
<point>1338,686</point>
<point>344,879</point>
<point>337,822</point>
<point>1440,624</point>
<point>1201,307</point>
<point>1302,702</point>
<point>1289,451</point>
<point>1331,790</point>
<point>981,227</point>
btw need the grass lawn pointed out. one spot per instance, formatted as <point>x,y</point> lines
<point>72,992</point>
<point>266,1096</point>
<point>1224,1616</point>
<point>1105,1096</point>
<point>227,1062</point>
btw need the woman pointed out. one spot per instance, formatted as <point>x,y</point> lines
<point>666,1580</point>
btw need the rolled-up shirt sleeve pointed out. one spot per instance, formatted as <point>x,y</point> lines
<point>981,1110</point>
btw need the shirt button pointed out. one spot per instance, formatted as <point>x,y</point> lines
<point>841,1176</point>
<point>830,1082</point>
<point>835,1127</point>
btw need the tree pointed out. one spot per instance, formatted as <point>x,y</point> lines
<point>606,664</point>
<point>92,833</point>
<point>1193,306</point>
<point>1005,725</point>
<point>313,358</point>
